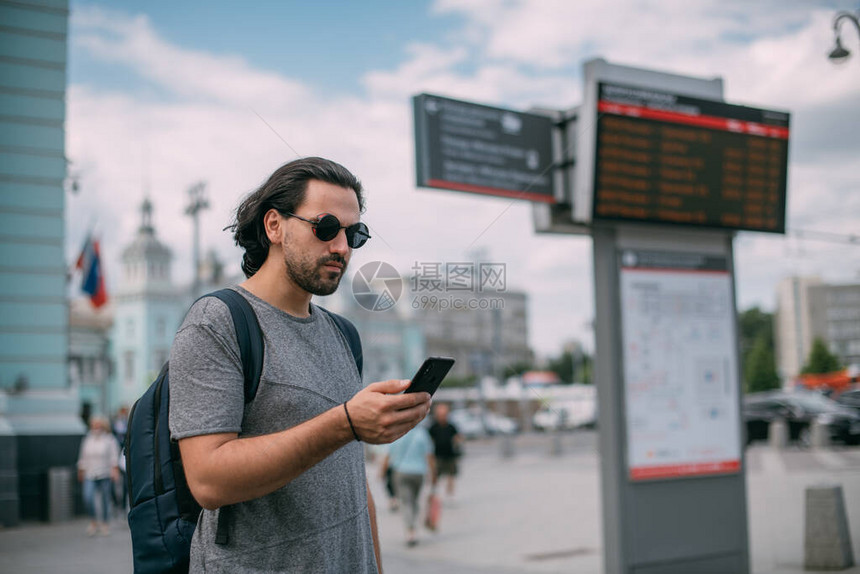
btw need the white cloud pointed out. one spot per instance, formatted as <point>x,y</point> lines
<point>512,54</point>
<point>132,41</point>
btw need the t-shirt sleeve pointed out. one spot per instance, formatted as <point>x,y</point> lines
<point>206,380</point>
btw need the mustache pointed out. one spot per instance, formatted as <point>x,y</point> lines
<point>334,258</point>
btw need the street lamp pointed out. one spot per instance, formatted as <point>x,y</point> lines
<point>840,54</point>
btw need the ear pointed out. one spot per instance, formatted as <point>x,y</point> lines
<point>273,223</point>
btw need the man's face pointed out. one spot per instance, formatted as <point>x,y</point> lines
<point>318,266</point>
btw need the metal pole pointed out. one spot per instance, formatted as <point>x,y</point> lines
<point>197,202</point>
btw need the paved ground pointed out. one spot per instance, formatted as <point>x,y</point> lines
<point>530,513</point>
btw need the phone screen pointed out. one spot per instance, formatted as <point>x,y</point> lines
<point>430,375</point>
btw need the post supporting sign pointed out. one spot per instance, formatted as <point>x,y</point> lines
<point>664,173</point>
<point>667,369</point>
<point>470,147</point>
<point>672,466</point>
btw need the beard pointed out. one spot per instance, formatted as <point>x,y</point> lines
<point>310,275</point>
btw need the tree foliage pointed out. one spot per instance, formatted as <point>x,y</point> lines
<point>572,368</point>
<point>821,360</point>
<point>760,367</point>
<point>755,330</point>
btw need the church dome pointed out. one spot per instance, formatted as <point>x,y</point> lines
<point>146,261</point>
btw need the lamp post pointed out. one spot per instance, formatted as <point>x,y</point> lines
<point>197,202</point>
<point>839,53</point>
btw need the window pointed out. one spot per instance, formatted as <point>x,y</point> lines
<point>159,357</point>
<point>129,328</point>
<point>128,367</point>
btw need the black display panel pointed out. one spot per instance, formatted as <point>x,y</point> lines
<point>470,147</point>
<point>669,159</point>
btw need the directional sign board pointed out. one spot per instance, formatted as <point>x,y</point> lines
<point>480,149</point>
<point>672,159</point>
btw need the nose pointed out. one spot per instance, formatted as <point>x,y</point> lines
<point>339,244</point>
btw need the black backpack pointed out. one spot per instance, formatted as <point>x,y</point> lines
<point>163,512</point>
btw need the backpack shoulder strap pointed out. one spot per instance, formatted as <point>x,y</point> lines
<point>350,333</point>
<point>249,336</point>
<point>251,351</point>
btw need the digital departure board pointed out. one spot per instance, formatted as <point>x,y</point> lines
<point>665,158</point>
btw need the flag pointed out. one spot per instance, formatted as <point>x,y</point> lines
<point>93,279</point>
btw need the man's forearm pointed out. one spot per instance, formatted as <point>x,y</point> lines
<point>224,469</point>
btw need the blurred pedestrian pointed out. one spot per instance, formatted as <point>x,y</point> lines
<point>119,425</point>
<point>448,445</point>
<point>411,458</point>
<point>97,469</point>
<point>387,477</point>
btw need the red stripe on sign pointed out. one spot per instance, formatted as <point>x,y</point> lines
<point>712,122</point>
<point>675,270</point>
<point>679,470</point>
<point>456,186</point>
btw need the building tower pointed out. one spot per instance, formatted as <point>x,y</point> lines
<point>39,423</point>
<point>148,312</point>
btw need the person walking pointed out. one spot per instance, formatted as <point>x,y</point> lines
<point>448,446</point>
<point>411,458</point>
<point>97,469</point>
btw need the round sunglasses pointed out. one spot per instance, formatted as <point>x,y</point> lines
<point>326,227</point>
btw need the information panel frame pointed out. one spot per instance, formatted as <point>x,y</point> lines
<point>475,148</point>
<point>680,375</point>
<point>661,157</point>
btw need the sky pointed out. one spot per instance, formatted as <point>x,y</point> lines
<point>162,95</point>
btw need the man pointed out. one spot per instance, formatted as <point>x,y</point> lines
<point>448,443</point>
<point>288,464</point>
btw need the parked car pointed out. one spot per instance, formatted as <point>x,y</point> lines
<point>499,424</point>
<point>799,410</point>
<point>850,399</point>
<point>566,415</point>
<point>471,424</point>
<point>468,423</point>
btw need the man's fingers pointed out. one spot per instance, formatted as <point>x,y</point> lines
<point>389,387</point>
<point>408,400</point>
<point>409,416</point>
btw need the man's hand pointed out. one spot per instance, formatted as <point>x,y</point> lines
<point>381,416</point>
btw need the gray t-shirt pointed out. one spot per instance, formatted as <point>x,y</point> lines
<point>319,522</point>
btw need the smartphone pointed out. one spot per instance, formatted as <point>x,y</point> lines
<point>430,375</point>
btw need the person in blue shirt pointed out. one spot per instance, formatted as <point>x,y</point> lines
<point>412,458</point>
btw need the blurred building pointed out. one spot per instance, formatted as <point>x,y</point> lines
<point>835,317</point>
<point>808,308</point>
<point>39,423</point>
<point>792,328</point>
<point>148,310</point>
<point>487,333</point>
<point>90,363</point>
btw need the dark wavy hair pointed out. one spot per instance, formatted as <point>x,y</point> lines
<point>284,191</point>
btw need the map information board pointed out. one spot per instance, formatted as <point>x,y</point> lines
<point>680,365</point>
